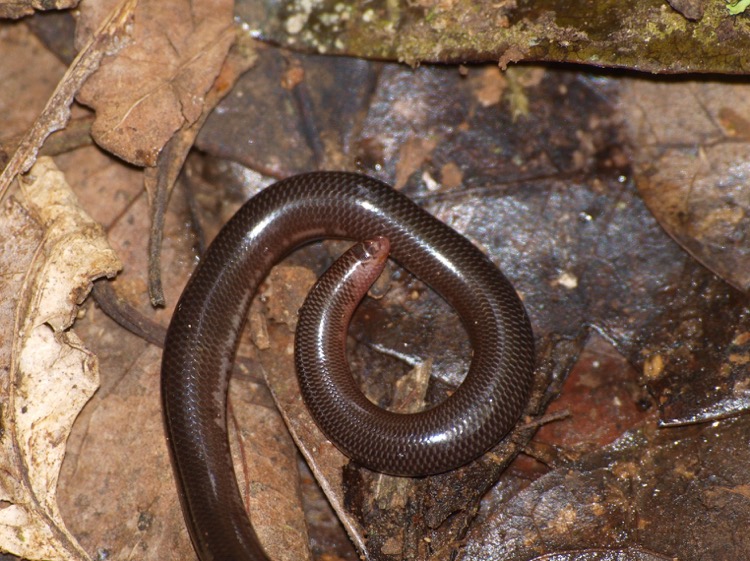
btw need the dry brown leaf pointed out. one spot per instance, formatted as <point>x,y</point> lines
<point>51,255</point>
<point>157,85</point>
<point>57,111</point>
<point>692,167</point>
<point>20,8</point>
<point>128,503</point>
<point>21,51</point>
<point>324,459</point>
<point>265,462</point>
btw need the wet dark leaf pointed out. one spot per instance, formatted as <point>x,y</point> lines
<point>547,189</point>
<point>678,493</point>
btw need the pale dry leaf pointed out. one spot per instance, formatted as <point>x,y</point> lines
<point>157,85</point>
<point>51,374</point>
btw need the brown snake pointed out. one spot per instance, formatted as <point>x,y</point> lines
<point>205,328</point>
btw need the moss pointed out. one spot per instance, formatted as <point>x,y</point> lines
<point>647,35</point>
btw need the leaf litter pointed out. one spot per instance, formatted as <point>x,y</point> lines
<point>560,215</point>
<point>50,373</point>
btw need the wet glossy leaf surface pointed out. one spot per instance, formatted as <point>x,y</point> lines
<point>550,195</point>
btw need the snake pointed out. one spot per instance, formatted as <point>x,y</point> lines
<point>204,331</point>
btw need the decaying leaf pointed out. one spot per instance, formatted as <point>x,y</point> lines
<point>20,50</point>
<point>287,292</point>
<point>551,198</point>
<point>108,37</point>
<point>157,84</point>
<point>20,8</point>
<point>693,168</point>
<point>52,252</point>
<point>265,460</point>
<point>679,493</point>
